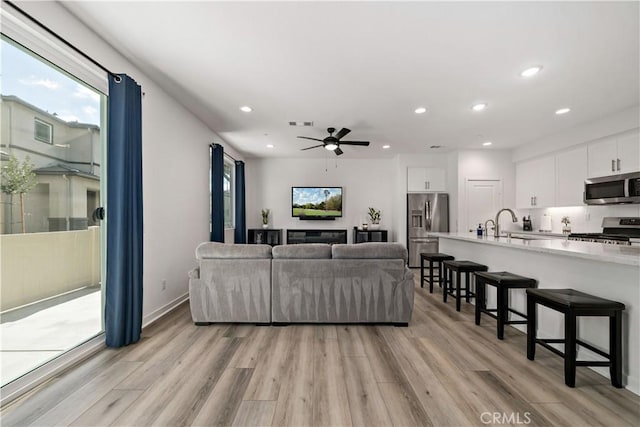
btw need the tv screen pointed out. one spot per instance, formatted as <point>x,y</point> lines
<point>316,202</point>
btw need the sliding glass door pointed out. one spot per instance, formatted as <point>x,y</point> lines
<point>51,250</point>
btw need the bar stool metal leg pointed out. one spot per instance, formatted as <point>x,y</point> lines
<point>458,290</point>
<point>531,328</point>
<point>570,349</point>
<point>480,299</point>
<point>615,348</point>
<point>431,276</point>
<point>447,283</point>
<point>503,310</point>
<point>421,272</point>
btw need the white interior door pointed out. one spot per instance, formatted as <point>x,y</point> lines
<point>483,200</point>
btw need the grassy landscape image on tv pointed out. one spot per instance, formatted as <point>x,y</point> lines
<point>318,202</point>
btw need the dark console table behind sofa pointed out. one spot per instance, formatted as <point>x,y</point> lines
<point>316,236</point>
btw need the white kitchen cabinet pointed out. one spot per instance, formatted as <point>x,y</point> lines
<point>571,172</point>
<point>536,183</point>
<point>615,155</point>
<point>426,179</point>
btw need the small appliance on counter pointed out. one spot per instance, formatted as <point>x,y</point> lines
<point>526,223</point>
<point>545,223</point>
<point>615,231</point>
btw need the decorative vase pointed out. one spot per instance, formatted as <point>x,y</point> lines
<point>265,226</point>
<point>374,226</point>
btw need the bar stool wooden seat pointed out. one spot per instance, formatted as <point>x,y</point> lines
<point>454,287</point>
<point>433,258</point>
<point>503,281</point>
<point>573,303</point>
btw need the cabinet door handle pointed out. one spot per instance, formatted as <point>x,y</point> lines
<point>426,185</point>
<point>531,201</point>
<point>613,165</point>
<point>618,162</point>
<point>535,200</point>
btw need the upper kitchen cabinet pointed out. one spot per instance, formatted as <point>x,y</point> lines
<point>614,155</point>
<point>426,179</point>
<point>536,183</point>
<point>571,172</point>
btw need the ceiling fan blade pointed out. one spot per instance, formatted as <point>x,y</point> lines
<point>338,151</point>
<point>313,139</point>
<point>309,148</point>
<point>342,133</point>
<point>362,143</point>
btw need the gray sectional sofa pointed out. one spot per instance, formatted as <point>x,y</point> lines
<point>307,283</point>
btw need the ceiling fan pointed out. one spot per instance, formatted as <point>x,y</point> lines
<point>333,143</point>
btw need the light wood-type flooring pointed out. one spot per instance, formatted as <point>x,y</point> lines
<point>442,370</point>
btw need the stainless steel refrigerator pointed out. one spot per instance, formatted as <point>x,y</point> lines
<point>426,212</point>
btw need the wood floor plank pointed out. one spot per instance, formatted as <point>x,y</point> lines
<point>436,401</point>
<point>252,348</point>
<point>327,332</point>
<point>106,410</point>
<point>255,413</point>
<point>349,340</point>
<point>295,399</point>
<point>222,404</point>
<point>182,382</point>
<point>330,401</point>
<point>272,366</point>
<point>402,405</point>
<point>561,415</point>
<point>86,396</point>
<point>383,363</point>
<point>365,401</point>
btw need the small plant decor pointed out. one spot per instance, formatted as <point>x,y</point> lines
<point>265,217</point>
<point>374,216</point>
<point>566,228</point>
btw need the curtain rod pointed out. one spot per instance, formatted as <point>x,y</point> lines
<point>116,77</point>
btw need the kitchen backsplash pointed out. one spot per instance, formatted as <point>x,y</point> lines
<point>584,219</point>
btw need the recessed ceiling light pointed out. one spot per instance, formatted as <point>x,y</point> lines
<point>386,147</point>
<point>488,143</point>
<point>436,146</point>
<point>246,109</point>
<point>479,107</point>
<point>420,110</point>
<point>563,111</point>
<point>269,145</point>
<point>530,72</point>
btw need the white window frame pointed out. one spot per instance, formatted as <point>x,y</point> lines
<point>38,122</point>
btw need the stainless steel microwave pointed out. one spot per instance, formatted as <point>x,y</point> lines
<point>614,189</point>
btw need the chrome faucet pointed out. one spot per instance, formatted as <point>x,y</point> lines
<point>486,228</point>
<point>496,233</point>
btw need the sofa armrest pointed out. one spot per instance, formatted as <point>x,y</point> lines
<point>194,273</point>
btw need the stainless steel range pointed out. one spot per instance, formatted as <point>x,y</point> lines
<point>615,231</point>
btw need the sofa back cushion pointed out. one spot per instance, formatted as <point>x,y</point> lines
<point>379,250</point>
<point>215,250</point>
<point>303,251</point>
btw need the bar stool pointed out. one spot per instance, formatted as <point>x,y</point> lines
<point>466,267</point>
<point>503,281</point>
<point>572,304</point>
<point>437,258</point>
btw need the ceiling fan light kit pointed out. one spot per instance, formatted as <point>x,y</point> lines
<point>333,143</point>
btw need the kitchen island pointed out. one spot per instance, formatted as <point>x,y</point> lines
<point>607,271</point>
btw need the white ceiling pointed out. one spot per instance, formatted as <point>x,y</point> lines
<point>368,65</point>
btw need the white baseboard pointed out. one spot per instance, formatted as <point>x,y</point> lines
<point>157,314</point>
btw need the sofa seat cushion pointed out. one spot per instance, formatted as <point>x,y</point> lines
<point>303,251</point>
<point>377,250</point>
<point>215,250</point>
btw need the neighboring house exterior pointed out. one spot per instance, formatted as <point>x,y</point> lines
<point>67,161</point>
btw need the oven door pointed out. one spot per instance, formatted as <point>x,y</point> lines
<point>606,190</point>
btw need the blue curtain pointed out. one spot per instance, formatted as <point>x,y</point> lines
<point>123,308</point>
<point>217,193</point>
<point>241,216</point>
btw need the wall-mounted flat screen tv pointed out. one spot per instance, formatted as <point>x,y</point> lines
<point>316,202</point>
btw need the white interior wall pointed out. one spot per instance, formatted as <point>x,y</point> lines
<point>365,182</point>
<point>175,168</point>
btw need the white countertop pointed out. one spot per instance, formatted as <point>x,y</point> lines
<point>618,254</point>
